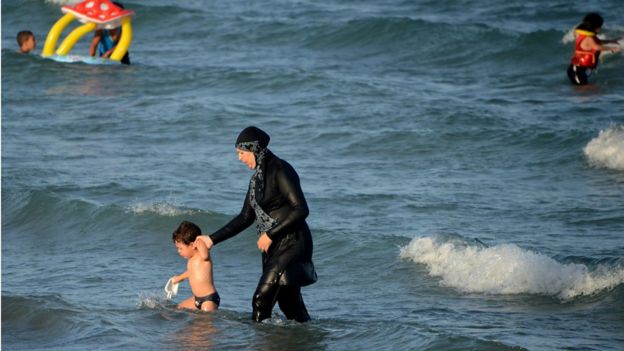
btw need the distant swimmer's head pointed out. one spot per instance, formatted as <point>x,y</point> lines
<point>26,41</point>
<point>184,237</point>
<point>251,141</point>
<point>592,23</point>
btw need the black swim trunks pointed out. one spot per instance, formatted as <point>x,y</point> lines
<point>214,297</point>
<point>579,75</point>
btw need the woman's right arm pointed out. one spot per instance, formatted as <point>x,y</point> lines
<point>239,223</point>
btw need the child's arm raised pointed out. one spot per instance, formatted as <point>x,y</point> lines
<point>202,249</point>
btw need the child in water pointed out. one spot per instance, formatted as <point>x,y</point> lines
<point>26,41</point>
<point>199,268</point>
<point>587,49</point>
<point>105,40</point>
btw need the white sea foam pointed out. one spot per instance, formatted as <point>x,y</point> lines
<point>160,208</point>
<point>507,269</point>
<point>607,149</point>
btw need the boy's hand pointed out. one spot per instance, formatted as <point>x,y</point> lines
<point>176,279</point>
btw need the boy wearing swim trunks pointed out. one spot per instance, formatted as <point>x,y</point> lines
<point>198,269</point>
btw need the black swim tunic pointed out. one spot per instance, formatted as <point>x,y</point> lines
<point>290,254</point>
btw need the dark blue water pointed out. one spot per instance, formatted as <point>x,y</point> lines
<point>463,195</point>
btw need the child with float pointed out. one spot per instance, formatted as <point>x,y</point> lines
<point>105,41</point>
<point>587,49</point>
<point>102,16</point>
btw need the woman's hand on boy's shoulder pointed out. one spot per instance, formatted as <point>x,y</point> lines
<point>204,239</point>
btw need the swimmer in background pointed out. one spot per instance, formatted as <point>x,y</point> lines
<point>587,49</point>
<point>26,41</point>
<point>199,268</point>
<point>105,40</point>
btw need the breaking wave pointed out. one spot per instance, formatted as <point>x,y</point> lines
<point>507,269</point>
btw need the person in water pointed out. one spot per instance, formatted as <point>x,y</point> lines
<point>587,49</point>
<point>199,268</point>
<point>26,41</point>
<point>276,203</point>
<point>105,40</point>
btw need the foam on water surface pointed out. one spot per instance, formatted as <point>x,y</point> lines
<point>607,149</point>
<point>507,269</point>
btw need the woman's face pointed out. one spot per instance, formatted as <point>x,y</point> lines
<point>246,157</point>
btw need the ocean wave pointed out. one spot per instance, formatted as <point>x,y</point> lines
<point>50,313</point>
<point>607,149</point>
<point>507,269</point>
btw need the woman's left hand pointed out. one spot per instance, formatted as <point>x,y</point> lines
<point>264,242</point>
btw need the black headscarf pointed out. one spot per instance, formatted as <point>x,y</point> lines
<point>256,140</point>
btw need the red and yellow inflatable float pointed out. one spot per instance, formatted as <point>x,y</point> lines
<point>95,14</point>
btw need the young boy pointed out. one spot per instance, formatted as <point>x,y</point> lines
<point>26,41</point>
<point>199,268</point>
<point>587,49</point>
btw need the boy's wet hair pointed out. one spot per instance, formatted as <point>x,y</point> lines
<point>23,36</point>
<point>186,233</point>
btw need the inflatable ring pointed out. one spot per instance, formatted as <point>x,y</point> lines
<point>95,14</point>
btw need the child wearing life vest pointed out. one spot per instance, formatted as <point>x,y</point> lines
<point>587,49</point>
<point>104,42</point>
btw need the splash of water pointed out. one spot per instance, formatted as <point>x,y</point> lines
<point>160,208</point>
<point>151,300</point>
<point>607,149</point>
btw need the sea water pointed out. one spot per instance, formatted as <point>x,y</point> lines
<point>463,195</point>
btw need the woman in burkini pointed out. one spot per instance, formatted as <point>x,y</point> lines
<point>276,203</point>
<point>587,49</point>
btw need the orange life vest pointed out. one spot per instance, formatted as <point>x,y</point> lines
<point>584,58</point>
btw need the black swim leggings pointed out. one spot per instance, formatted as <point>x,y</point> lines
<point>288,297</point>
<point>578,75</point>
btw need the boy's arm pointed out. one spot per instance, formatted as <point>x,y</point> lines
<point>178,278</point>
<point>202,249</point>
<point>590,44</point>
<point>95,42</point>
<point>612,41</point>
<point>109,52</point>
